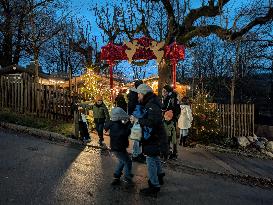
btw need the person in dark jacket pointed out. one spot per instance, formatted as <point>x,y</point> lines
<point>171,133</point>
<point>83,126</point>
<point>156,141</point>
<point>119,127</point>
<point>120,101</point>
<point>101,115</point>
<point>132,104</point>
<point>133,98</point>
<point>170,102</point>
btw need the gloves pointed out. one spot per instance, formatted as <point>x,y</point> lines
<point>133,119</point>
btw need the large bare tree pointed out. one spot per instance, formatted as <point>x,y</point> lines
<point>14,17</point>
<point>171,20</point>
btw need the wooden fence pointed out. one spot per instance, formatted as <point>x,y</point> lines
<point>236,120</point>
<point>21,94</point>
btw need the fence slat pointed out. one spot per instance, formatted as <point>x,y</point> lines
<point>2,91</point>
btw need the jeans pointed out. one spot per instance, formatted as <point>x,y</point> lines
<point>184,132</point>
<point>154,169</point>
<point>124,161</point>
<point>99,129</point>
<point>136,148</point>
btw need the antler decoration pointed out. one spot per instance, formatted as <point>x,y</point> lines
<point>133,47</point>
<point>156,48</point>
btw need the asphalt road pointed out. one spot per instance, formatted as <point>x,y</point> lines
<point>36,171</point>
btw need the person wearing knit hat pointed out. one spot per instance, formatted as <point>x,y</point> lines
<point>143,89</point>
<point>101,115</point>
<point>156,142</point>
<point>118,113</point>
<point>98,98</point>
<point>119,131</point>
<point>170,129</point>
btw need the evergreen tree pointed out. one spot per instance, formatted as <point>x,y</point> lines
<point>205,118</point>
<point>94,85</point>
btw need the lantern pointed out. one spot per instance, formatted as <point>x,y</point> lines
<point>111,53</point>
<point>174,53</point>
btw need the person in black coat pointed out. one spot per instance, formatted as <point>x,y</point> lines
<point>133,98</point>
<point>155,142</point>
<point>170,102</point>
<point>120,101</point>
<point>119,127</point>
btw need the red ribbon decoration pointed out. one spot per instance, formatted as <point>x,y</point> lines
<point>144,52</point>
<point>174,52</point>
<point>111,53</point>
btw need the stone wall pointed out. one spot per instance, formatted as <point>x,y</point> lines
<point>264,131</point>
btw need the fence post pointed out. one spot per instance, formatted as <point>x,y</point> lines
<point>76,123</point>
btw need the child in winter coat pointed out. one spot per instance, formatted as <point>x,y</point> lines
<point>119,127</point>
<point>185,120</point>
<point>101,115</point>
<point>83,126</point>
<point>171,133</point>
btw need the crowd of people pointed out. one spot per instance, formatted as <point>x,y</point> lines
<point>162,123</point>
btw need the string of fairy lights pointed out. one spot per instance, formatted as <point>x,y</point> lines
<point>206,119</point>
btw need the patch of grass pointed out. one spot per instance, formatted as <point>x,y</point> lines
<point>210,139</point>
<point>64,128</point>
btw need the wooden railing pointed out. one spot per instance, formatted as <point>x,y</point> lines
<point>21,94</point>
<point>236,120</point>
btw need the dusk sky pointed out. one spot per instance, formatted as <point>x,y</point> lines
<point>81,8</point>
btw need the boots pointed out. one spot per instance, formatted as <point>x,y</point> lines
<point>116,180</point>
<point>174,153</point>
<point>150,191</point>
<point>184,141</point>
<point>160,180</point>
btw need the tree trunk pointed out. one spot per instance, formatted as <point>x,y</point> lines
<point>18,49</point>
<point>271,91</point>
<point>235,68</point>
<point>36,69</point>
<point>164,74</point>
<point>232,91</point>
<point>7,47</point>
<point>70,77</point>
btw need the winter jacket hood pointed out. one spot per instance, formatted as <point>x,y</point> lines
<point>119,134</point>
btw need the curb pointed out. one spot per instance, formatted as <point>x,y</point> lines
<point>39,133</point>
<point>262,182</point>
<point>51,136</point>
<point>235,152</point>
